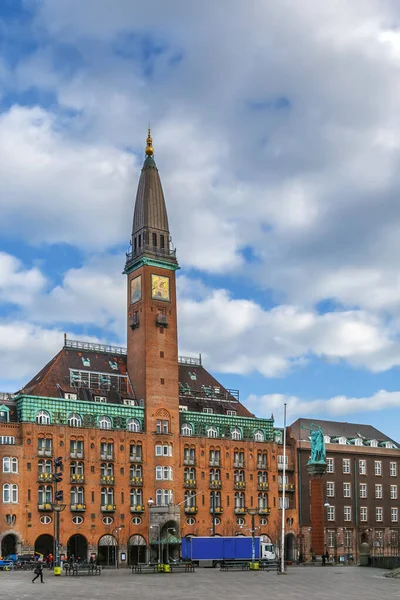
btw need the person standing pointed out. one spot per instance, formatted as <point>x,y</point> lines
<point>38,572</point>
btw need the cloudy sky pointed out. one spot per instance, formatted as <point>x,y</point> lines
<point>276,128</point>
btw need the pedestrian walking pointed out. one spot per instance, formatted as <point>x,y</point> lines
<point>38,572</point>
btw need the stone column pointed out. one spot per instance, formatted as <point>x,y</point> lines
<point>316,471</point>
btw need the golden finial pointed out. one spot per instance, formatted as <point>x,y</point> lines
<point>149,148</point>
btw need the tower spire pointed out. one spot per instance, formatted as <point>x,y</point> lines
<point>149,144</point>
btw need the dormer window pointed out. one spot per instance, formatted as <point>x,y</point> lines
<point>69,396</point>
<point>208,410</point>
<point>327,439</point>
<point>86,361</point>
<point>358,442</point>
<point>373,443</point>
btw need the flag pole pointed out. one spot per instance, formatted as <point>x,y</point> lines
<point>283,492</point>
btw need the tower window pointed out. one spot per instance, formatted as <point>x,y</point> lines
<point>154,239</point>
<point>140,239</point>
<point>161,354</point>
<point>162,241</point>
<point>162,381</point>
<point>135,244</point>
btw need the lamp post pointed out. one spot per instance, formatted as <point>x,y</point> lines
<point>150,503</point>
<point>172,530</point>
<point>252,512</point>
<point>159,543</point>
<point>117,530</point>
<point>57,508</point>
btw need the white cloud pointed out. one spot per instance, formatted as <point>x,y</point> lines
<point>17,284</point>
<point>336,408</point>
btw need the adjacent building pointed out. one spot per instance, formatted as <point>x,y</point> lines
<point>153,446</point>
<point>362,487</point>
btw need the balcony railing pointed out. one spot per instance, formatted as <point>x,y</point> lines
<point>218,510</point>
<point>262,466</point>
<point>108,508</point>
<point>289,487</point>
<point>77,478</point>
<point>263,511</point>
<point>107,479</point>
<point>240,510</point>
<point>47,477</point>
<point>263,486</point>
<point>137,508</point>
<point>189,483</point>
<point>215,462</point>
<point>45,452</point>
<point>239,485</point>
<point>215,484</point>
<point>76,454</point>
<point>163,252</point>
<point>238,463</point>
<point>191,510</point>
<point>105,456</point>
<point>289,467</point>
<point>136,458</point>
<point>46,507</point>
<point>188,460</point>
<point>136,481</point>
<point>78,507</point>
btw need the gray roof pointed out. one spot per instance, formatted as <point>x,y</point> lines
<point>339,428</point>
<point>150,210</point>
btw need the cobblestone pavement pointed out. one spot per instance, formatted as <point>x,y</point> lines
<point>313,583</point>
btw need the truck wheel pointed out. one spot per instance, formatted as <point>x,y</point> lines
<point>217,565</point>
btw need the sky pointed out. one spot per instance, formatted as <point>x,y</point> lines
<point>276,129</point>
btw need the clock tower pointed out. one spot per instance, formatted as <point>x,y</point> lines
<point>152,359</point>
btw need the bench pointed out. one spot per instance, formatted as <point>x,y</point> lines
<point>182,567</point>
<point>235,565</point>
<point>142,569</point>
<point>84,569</point>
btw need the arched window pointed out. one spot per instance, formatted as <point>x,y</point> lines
<point>136,471</point>
<point>165,473</point>
<point>77,495</point>
<point>74,420</point>
<point>107,469</point>
<point>263,500</point>
<point>187,429</point>
<point>259,436</point>
<point>212,432</point>
<point>45,494</point>
<point>239,500</point>
<point>215,501</point>
<point>42,417</point>
<point>107,496</point>
<point>163,497</point>
<point>6,493</point>
<point>77,468</point>
<point>236,434</point>
<point>133,425</point>
<point>136,497</point>
<point>190,498</point>
<point>104,422</point>
<point>6,464</point>
<point>45,466</point>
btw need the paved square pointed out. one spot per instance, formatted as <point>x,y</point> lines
<point>312,583</point>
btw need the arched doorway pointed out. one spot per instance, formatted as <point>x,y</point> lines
<point>77,547</point>
<point>8,545</point>
<point>107,551</point>
<point>170,541</point>
<point>44,544</point>
<point>136,550</point>
<point>290,547</point>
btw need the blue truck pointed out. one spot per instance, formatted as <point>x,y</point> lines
<point>212,551</point>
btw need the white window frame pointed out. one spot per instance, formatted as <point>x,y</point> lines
<point>330,465</point>
<point>330,489</point>
<point>347,514</point>
<point>362,467</point>
<point>104,422</point>
<point>346,466</point>
<point>74,420</point>
<point>346,489</point>
<point>259,436</point>
<point>42,417</point>
<point>212,432</point>
<point>378,514</point>
<point>236,434</point>
<point>394,514</point>
<point>378,491</point>
<point>363,514</point>
<point>330,514</point>
<point>393,492</point>
<point>393,469</point>
<point>378,468</point>
<point>187,429</point>
<point>133,425</point>
<point>363,490</point>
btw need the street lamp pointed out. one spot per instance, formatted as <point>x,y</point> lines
<point>150,503</point>
<point>159,542</point>
<point>252,512</point>
<point>57,508</point>
<point>172,530</point>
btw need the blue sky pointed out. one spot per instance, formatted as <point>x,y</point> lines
<point>280,170</point>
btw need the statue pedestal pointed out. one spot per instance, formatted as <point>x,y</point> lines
<point>316,470</point>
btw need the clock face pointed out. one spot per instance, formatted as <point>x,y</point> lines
<point>160,287</point>
<point>136,289</point>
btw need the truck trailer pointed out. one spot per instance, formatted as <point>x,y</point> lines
<point>212,551</point>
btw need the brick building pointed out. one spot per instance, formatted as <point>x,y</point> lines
<point>154,447</point>
<point>361,487</point>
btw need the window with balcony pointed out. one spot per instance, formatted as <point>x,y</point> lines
<point>105,422</point>
<point>135,452</point>
<point>190,499</point>
<point>10,464</point>
<point>162,426</point>
<point>77,495</point>
<point>107,450</point>
<point>163,449</point>
<point>262,460</point>
<point>10,493</point>
<point>215,457</point>
<point>346,466</point>
<point>189,473</point>
<point>363,514</point>
<point>74,420</point>
<point>76,448</point>
<point>136,497</point>
<point>240,500</point>
<point>107,496</point>
<point>45,446</point>
<point>262,501</point>
<point>136,471</point>
<point>238,476</point>
<point>363,490</point>
<point>347,513</point>
<point>238,459</point>
<point>107,469</point>
<point>43,417</point>
<point>77,470</point>
<point>186,429</point>
<point>330,489</point>
<point>164,473</point>
<point>215,475</point>
<point>215,501</point>
<point>379,514</point>
<point>378,467</point>
<point>281,502</point>
<point>189,456</point>
<point>393,469</point>
<point>262,477</point>
<point>45,494</point>
<point>346,490</point>
<point>45,466</point>
<point>282,460</point>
